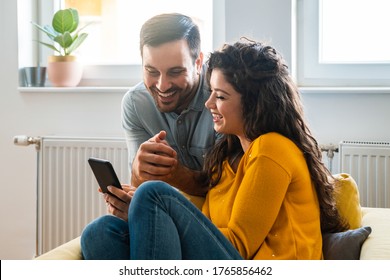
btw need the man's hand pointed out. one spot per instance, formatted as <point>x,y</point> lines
<point>155,160</point>
<point>119,207</point>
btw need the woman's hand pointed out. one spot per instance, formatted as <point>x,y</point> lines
<point>119,200</point>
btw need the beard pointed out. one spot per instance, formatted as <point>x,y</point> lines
<point>166,101</point>
<point>175,99</point>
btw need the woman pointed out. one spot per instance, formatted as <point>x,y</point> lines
<point>280,185</point>
<point>270,196</point>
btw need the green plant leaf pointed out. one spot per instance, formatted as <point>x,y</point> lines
<point>49,46</point>
<point>63,21</point>
<point>77,42</point>
<point>65,40</point>
<point>48,30</point>
<point>76,19</point>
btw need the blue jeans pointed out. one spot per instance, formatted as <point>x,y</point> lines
<point>162,224</point>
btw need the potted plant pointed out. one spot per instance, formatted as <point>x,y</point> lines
<point>63,69</point>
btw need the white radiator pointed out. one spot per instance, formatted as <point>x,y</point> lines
<point>67,196</point>
<point>67,191</point>
<point>369,164</point>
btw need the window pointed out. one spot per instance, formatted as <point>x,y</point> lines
<point>114,33</point>
<point>343,43</point>
<point>111,53</point>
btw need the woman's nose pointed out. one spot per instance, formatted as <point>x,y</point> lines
<point>210,102</point>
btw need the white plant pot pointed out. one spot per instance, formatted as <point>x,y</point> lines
<point>64,71</point>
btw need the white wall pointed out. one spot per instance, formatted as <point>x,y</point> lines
<point>333,117</point>
<point>35,114</point>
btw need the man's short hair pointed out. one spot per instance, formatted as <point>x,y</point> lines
<point>171,27</point>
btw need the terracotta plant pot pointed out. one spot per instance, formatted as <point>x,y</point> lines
<point>64,71</point>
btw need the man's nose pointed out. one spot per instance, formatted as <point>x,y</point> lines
<point>164,83</point>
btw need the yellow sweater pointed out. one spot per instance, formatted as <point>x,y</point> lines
<point>269,208</point>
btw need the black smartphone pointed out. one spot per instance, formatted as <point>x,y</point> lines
<point>104,173</point>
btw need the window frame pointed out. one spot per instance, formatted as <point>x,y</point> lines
<point>312,73</point>
<point>116,75</point>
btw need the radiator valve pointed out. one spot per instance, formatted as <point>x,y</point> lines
<point>329,149</point>
<point>23,140</point>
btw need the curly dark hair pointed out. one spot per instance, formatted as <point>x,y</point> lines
<point>270,103</point>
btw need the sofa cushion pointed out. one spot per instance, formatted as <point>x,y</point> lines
<point>377,246</point>
<point>347,199</point>
<point>344,245</point>
<point>67,251</point>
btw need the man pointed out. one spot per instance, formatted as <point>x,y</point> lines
<point>168,129</point>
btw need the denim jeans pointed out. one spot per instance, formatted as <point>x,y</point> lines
<point>162,224</point>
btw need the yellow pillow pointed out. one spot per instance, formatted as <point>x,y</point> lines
<point>347,199</point>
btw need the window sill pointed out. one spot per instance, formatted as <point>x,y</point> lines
<point>348,90</point>
<point>304,90</point>
<point>121,90</point>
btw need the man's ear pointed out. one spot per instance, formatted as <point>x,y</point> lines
<point>199,63</point>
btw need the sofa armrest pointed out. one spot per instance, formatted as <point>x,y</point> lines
<point>67,251</point>
<point>377,245</point>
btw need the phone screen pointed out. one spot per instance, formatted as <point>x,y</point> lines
<point>104,173</point>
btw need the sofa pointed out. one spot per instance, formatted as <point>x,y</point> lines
<point>367,239</point>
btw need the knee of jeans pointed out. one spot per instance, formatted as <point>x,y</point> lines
<point>152,188</point>
<point>148,191</point>
<point>98,228</point>
<point>93,227</point>
<point>102,231</point>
